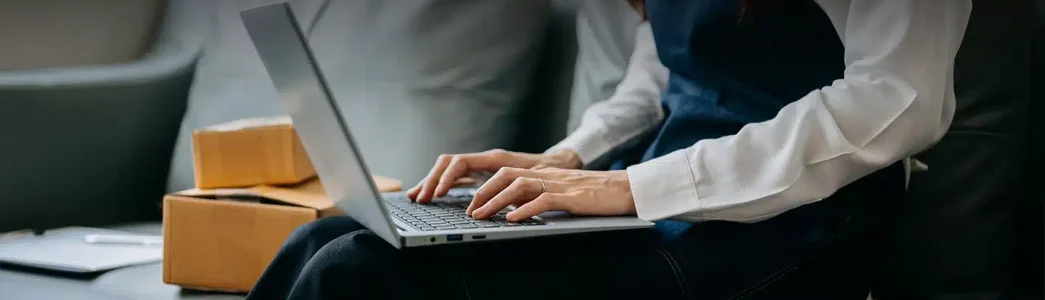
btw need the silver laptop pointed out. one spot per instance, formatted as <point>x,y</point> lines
<point>317,118</point>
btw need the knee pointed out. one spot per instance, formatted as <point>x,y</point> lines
<point>354,265</point>
<point>360,254</point>
<point>317,233</point>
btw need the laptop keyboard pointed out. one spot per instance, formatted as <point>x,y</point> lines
<point>446,216</point>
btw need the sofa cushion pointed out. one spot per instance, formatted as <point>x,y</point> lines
<point>46,34</point>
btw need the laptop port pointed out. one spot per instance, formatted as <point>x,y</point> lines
<point>454,238</point>
<point>478,236</point>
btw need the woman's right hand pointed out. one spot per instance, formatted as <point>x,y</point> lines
<point>449,168</point>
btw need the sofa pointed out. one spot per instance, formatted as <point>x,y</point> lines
<point>103,134</point>
<point>91,95</point>
<point>969,228</point>
<point>97,132</point>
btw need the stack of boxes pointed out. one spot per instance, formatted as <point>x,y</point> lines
<point>254,186</point>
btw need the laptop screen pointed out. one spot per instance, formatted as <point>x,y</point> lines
<point>317,119</point>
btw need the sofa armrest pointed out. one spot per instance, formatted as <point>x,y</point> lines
<point>91,145</point>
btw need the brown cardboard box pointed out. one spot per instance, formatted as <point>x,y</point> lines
<point>249,152</point>
<point>222,239</point>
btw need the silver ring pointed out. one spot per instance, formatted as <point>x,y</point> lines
<point>542,185</point>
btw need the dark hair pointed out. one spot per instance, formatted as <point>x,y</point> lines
<point>746,9</point>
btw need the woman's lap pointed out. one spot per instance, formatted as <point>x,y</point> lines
<point>815,251</point>
<point>358,263</point>
<point>706,263</point>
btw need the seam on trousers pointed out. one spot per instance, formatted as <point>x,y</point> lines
<point>464,282</point>
<point>674,269</point>
<point>682,274</point>
<point>791,267</point>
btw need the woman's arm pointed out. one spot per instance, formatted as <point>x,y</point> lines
<point>894,100</point>
<point>633,109</point>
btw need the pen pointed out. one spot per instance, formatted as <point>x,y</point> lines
<point>114,239</point>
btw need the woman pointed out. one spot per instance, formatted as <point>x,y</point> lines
<point>778,132</point>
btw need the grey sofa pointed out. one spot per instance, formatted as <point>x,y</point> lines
<point>949,242</point>
<point>91,97</point>
<point>84,129</point>
<point>97,133</point>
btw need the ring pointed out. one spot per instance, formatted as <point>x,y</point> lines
<point>542,185</point>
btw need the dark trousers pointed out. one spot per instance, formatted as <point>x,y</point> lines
<point>823,250</point>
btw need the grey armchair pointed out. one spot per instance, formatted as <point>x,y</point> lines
<point>90,122</point>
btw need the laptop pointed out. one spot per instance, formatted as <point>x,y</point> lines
<point>305,94</point>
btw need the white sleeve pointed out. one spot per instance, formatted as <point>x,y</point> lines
<point>894,100</point>
<point>633,109</point>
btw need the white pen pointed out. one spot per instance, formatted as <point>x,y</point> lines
<point>123,239</point>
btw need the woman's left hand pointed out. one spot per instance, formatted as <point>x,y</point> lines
<point>602,193</point>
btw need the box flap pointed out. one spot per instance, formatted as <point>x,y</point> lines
<point>387,185</point>
<point>249,123</point>
<point>308,194</point>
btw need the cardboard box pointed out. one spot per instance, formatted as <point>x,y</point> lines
<point>222,239</point>
<point>249,152</point>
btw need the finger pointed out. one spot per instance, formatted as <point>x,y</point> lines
<point>464,181</point>
<point>412,193</point>
<point>543,203</point>
<point>520,191</point>
<point>461,165</point>
<point>457,168</point>
<point>415,191</point>
<point>494,186</point>
<point>432,179</point>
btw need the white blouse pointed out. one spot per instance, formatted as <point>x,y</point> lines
<point>895,99</point>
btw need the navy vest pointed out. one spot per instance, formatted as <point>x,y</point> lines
<point>726,71</point>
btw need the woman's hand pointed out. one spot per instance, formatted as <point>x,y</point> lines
<point>453,169</point>
<point>603,193</point>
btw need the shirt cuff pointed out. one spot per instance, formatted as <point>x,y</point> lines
<point>663,187</point>
<point>586,141</point>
